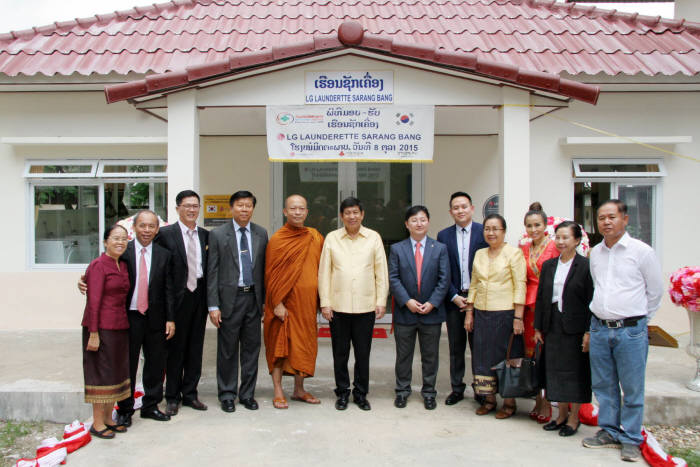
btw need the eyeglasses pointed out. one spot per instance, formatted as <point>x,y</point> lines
<point>491,230</point>
<point>190,206</point>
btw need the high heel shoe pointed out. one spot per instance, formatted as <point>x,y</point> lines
<point>545,418</point>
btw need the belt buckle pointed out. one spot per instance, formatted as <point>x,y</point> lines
<point>615,324</point>
<point>246,288</point>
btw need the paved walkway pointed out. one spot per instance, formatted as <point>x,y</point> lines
<point>41,377</point>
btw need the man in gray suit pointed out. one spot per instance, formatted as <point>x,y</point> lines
<point>235,296</point>
<point>419,275</point>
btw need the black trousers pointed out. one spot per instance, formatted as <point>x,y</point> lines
<point>355,328</point>
<point>238,336</point>
<point>154,355</point>
<point>184,365</point>
<point>429,341</point>
<point>457,342</point>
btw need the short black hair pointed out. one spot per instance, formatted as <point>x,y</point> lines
<point>109,231</point>
<point>351,202</point>
<point>186,194</point>
<point>621,206</point>
<point>458,194</point>
<point>575,228</point>
<point>496,216</point>
<point>145,211</point>
<point>242,194</point>
<point>413,210</point>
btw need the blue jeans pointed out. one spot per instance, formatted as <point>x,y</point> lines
<point>618,360</point>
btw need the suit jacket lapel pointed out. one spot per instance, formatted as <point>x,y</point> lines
<point>572,271</point>
<point>233,244</point>
<point>257,242</point>
<point>407,251</point>
<point>427,254</point>
<point>203,246</point>
<point>180,242</point>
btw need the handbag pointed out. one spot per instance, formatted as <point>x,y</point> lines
<point>508,373</point>
<point>531,372</point>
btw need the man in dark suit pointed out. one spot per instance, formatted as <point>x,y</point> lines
<point>462,240</point>
<point>419,277</point>
<point>151,316</point>
<point>235,295</point>
<point>188,246</point>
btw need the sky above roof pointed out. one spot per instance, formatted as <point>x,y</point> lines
<point>24,14</point>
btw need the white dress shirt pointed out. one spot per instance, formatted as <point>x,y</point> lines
<point>248,235</point>
<point>186,238</point>
<point>149,253</point>
<point>627,279</point>
<point>463,244</point>
<point>560,280</point>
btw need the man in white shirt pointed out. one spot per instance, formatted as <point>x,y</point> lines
<point>628,289</point>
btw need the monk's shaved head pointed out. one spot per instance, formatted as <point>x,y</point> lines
<point>294,197</point>
<point>295,210</point>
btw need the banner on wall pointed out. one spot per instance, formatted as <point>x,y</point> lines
<point>216,210</point>
<point>389,133</point>
<point>349,87</point>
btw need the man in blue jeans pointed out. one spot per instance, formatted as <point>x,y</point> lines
<point>628,289</point>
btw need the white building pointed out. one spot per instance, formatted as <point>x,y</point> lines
<point>512,84</point>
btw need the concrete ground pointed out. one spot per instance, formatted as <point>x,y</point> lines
<point>41,378</point>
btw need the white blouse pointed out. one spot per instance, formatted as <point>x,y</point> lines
<point>559,280</point>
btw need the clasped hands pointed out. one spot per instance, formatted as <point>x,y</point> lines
<point>421,308</point>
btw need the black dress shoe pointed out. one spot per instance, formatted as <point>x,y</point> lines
<point>553,426</point>
<point>400,401</point>
<point>196,404</point>
<point>172,408</point>
<point>429,403</point>
<point>362,402</point>
<point>454,397</point>
<point>154,414</point>
<point>566,430</point>
<point>228,406</point>
<point>342,402</point>
<point>250,404</point>
<point>124,419</point>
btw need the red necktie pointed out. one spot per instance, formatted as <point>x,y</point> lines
<point>142,299</point>
<point>419,263</point>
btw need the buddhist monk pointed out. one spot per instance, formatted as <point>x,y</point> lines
<point>291,286</point>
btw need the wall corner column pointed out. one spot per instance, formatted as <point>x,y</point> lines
<point>183,146</point>
<point>514,159</point>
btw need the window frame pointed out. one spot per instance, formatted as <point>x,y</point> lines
<point>131,162</point>
<point>34,180</point>
<point>32,162</point>
<point>578,162</point>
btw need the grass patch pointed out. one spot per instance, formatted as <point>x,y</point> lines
<point>10,430</point>
<point>691,456</point>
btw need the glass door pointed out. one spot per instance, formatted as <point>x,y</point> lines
<point>385,189</point>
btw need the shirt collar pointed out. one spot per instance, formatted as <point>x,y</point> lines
<point>467,227</point>
<point>237,227</point>
<point>184,228</point>
<point>139,247</point>
<point>363,231</point>
<point>422,242</point>
<point>623,242</point>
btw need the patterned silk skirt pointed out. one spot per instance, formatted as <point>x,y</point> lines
<point>492,330</point>
<point>106,371</point>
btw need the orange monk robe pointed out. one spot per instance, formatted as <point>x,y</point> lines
<point>291,277</point>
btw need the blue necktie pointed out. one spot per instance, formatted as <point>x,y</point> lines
<point>246,262</point>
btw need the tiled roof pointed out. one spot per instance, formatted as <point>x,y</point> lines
<point>350,35</point>
<point>534,34</point>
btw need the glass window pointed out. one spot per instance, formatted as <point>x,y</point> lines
<point>132,168</point>
<point>619,167</point>
<point>66,224</point>
<point>60,169</point>
<point>640,209</point>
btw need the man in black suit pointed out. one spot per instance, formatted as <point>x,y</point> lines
<point>151,315</point>
<point>188,246</point>
<point>235,295</point>
<point>462,240</point>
